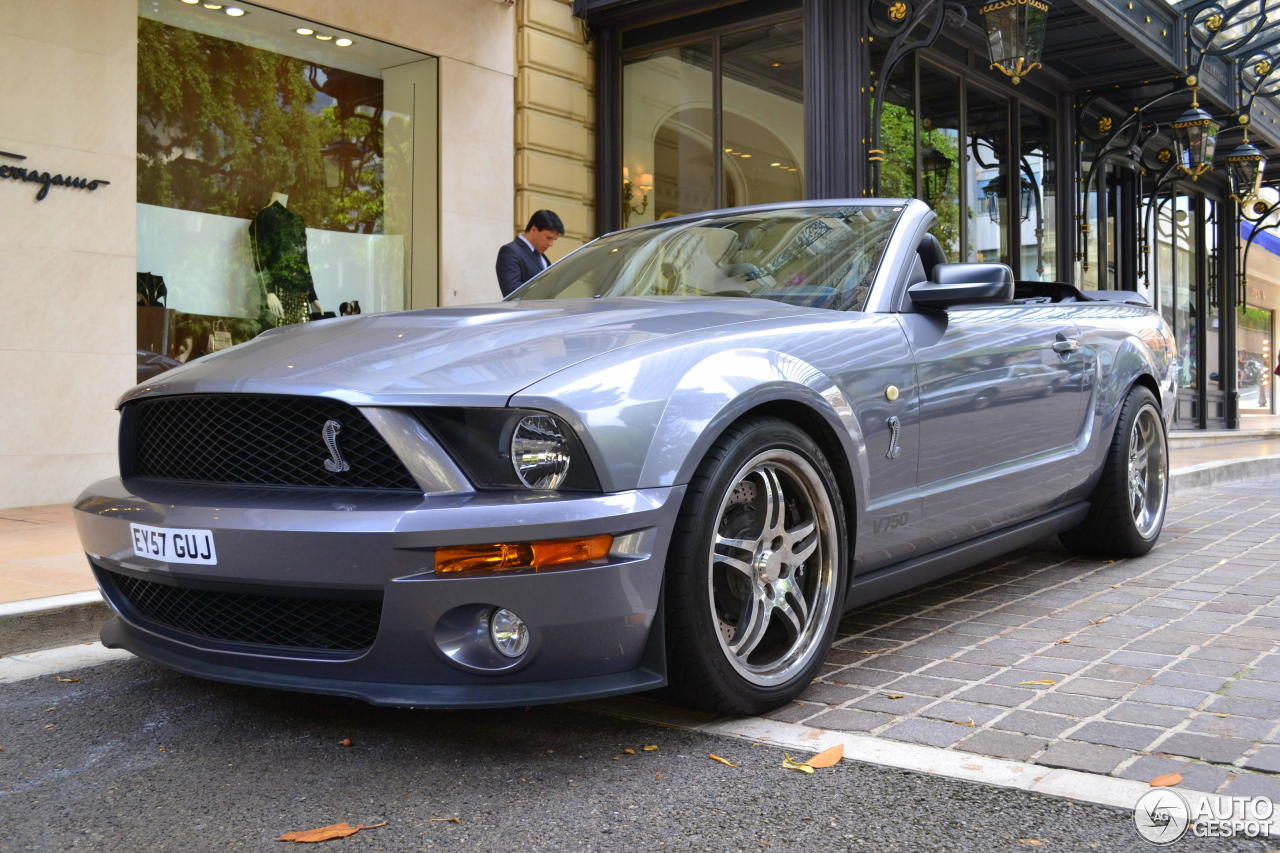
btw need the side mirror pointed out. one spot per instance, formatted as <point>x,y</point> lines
<point>964,284</point>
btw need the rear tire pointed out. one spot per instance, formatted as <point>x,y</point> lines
<point>756,571</point>
<point>1128,504</point>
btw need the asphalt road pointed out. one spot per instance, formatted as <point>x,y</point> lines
<point>134,758</point>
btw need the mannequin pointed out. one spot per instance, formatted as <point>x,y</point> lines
<point>279,240</point>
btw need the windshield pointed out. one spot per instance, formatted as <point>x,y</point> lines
<point>821,257</point>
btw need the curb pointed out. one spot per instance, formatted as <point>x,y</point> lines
<point>43,623</point>
<point>1225,471</point>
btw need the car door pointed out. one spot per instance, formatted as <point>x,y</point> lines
<point>1001,390</point>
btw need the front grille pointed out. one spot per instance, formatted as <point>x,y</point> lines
<point>264,620</point>
<point>256,439</point>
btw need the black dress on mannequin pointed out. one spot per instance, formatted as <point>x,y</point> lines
<point>279,240</point>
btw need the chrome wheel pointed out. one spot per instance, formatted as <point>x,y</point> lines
<point>1147,471</point>
<point>772,570</point>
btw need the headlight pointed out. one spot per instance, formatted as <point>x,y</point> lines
<point>539,452</point>
<point>513,448</point>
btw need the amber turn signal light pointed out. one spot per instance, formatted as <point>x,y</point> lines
<point>511,557</point>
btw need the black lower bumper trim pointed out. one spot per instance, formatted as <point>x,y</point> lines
<point>118,634</point>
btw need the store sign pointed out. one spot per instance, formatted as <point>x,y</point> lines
<point>44,179</point>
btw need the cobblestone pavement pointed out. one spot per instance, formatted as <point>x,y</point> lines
<point>1133,668</point>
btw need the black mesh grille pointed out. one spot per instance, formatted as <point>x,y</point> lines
<point>267,620</point>
<point>258,439</point>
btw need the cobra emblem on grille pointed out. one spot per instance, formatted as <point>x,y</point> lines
<point>335,464</point>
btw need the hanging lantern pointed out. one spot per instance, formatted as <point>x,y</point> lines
<point>1015,35</point>
<point>993,193</point>
<point>936,168</point>
<point>1196,133</point>
<point>1244,165</point>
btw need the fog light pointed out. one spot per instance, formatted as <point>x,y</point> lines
<point>509,633</point>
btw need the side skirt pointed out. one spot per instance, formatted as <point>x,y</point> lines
<point>890,580</point>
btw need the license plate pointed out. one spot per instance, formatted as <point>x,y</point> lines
<point>173,545</point>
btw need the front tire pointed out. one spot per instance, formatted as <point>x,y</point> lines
<point>1128,504</point>
<point>756,571</point>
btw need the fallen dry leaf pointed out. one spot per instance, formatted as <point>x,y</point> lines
<point>658,776</point>
<point>629,751</point>
<point>1031,842</point>
<point>346,741</point>
<point>653,747</point>
<point>1097,621</point>
<point>1166,780</point>
<point>968,723</point>
<point>789,763</point>
<point>327,833</point>
<point>1063,641</point>
<point>878,651</point>
<point>1042,681</point>
<point>444,820</point>
<point>51,725</point>
<point>66,680</point>
<point>827,758</point>
<point>726,762</point>
<point>891,695</point>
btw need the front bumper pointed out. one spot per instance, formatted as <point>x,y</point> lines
<point>594,631</point>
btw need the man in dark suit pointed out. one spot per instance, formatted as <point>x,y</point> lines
<point>525,256</point>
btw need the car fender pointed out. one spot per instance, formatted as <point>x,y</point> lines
<point>649,420</point>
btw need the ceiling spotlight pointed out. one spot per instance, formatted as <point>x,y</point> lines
<point>344,42</point>
<point>746,156</point>
<point>304,31</point>
<point>775,164</point>
<point>324,37</point>
<point>728,150</point>
<point>234,11</point>
<point>213,6</point>
<point>191,2</point>
<point>775,64</point>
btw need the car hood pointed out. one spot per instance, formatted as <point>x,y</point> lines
<point>473,355</point>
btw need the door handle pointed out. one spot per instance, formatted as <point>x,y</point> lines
<point>1066,346</point>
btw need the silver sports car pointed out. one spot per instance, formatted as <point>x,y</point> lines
<point>674,458</point>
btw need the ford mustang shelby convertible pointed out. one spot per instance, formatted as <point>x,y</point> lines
<point>674,458</point>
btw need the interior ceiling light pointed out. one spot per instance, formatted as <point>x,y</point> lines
<point>191,2</point>
<point>234,11</point>
<point>344,42</point>
<point>305,31</point>
<point>324,37</point>
<point>214,6</point>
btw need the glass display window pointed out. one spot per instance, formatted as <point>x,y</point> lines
<point>284,170</point>
<point>716,120</point>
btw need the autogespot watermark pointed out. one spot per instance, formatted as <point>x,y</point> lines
<point>1163,815</point>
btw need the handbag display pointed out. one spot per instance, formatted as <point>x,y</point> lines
<point>220,337</point>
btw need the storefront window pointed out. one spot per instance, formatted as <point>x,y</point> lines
<point>1254,358</point>
<point>1038,199</point>
<point>716,122</point>
<point>987,195</point>
<point>668,138</point>
<point>897,173</point>
<point>940,164</point>
<point>762,93</point>
<point>277,173</point>
<point>1213,312</point>
<point>1183,306</point>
